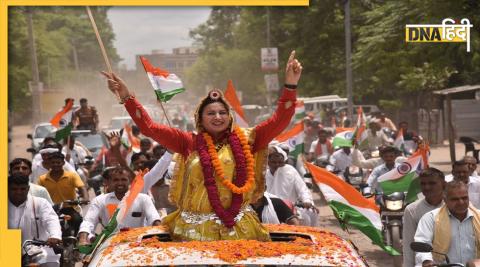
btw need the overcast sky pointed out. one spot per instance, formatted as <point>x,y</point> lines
<point>139,30</point>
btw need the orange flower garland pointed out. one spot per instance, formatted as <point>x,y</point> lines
<point>218,167</point>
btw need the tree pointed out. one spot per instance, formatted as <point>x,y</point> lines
<point>59,33</point>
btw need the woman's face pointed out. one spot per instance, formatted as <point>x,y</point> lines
<point>215,118</point>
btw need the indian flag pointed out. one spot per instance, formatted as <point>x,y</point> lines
<point>294,138</point>
<point>343,139</point>
<point>350,207</point>
<point>231,97</point>
<point>165,84</point>
<point>403,178</point>
<point>128,140</point>
<point>64,116</point>
<point>63,121</point>
<point>299,111</point>
<point>360,132</point>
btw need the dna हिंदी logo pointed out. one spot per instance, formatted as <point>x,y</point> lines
<point>448,32</point>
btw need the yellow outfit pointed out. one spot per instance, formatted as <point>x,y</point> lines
<point>195,219</point>
<point>64,188</point>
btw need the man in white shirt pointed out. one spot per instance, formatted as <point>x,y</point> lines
<point>388,155</point>
<point>461,172</point>
<point>340,161</point>
<point>432,184</point>
<point>33,215</point>
<point>284,181</point>
<point>376,137</point>
<point>102,207</point>
<point>472,165</point>
<point>74,153</point>
<point>21,166</point>
<point>320,148</point>
<point>452,229</point>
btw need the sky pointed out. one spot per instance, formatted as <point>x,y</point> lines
<point>139,30</point>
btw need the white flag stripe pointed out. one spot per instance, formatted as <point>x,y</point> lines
<point>396,173</point>
<point>373,216</point>
<point>172,82</point>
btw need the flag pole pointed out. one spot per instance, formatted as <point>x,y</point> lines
<point>100,42</point>
<point>164,112</point>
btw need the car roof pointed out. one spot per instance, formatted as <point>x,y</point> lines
<point>308,246</point>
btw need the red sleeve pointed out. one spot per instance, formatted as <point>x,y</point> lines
<point>269,129</point>
<point>173,139</point>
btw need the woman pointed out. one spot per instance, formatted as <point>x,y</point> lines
<point>219,169</point>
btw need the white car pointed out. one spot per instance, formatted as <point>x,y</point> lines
<point>290,246</point>
<point>40,131</point>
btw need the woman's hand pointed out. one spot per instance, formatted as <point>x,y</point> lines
<point>116,85</point>
<point>293,70</point>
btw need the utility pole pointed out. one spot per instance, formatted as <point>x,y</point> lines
<point>348,58</point>
<point>35,85</point>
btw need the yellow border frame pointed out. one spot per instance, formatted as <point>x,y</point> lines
<point>10,239</point>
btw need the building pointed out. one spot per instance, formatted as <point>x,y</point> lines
<point>177,62</point>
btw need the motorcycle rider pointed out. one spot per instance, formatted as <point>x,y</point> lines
<point>432,184</point>
<point>340,161</point>
<point>321,148</point>
<point>33,215</point>
<point>376,137</point>
<point>388,155</point>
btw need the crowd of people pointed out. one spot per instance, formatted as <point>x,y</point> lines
<point>221,181</point>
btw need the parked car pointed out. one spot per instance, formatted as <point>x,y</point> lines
<point>92,141</point>
<point>289,246</point>
<point>40,131</point>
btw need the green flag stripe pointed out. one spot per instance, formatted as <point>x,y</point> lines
<point>164,97</point>
<point>339,142</point>
<point>348,215</point>
<point>413,190</point>
<point>63,133</point>
<point>297,151</point>
<point>398,185</point>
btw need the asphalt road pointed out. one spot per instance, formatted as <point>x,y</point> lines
<point>375,256</point>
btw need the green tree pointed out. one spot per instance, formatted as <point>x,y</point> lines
<point>59,32</point>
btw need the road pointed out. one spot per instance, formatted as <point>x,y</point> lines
<point>440,158</point>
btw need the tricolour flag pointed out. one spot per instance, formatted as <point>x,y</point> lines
<point>360,133</point>
<point>350,207</point>
<point>231,97</point>
<point>128,140</point>
<point>294,138</point>
<point>403,178</point>
<point>343,139</point>
<point>63,121</point>
<point>299,111</point>
<point>165,84</point>
<point>64,116</point>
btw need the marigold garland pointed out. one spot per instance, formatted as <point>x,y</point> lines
<point>218,167</point>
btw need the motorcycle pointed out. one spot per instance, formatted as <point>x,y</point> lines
<point>354,176</point>
<point>392,207</point>
<point>426,248</point>
<point>38,253</point>
<point>70,254</point>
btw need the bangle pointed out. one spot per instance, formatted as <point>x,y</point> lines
<point>290,86</point>
<point>125,98</point>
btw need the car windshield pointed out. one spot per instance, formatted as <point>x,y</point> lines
<point>44,131</point>
<point>91,141</point>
